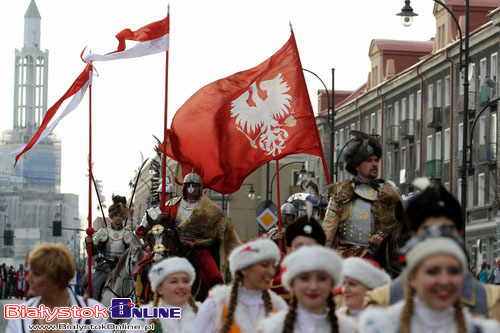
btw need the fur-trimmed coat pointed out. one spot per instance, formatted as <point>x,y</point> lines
<point>341,193</point>
<point>212,312</point>
<point>209,221</point>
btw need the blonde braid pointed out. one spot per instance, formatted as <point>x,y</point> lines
<point>459,317</point>
<point>268,304</point>
<point>233,301</point>
<point>332,315</point>
<point>290,316</point>
<point>407,312</point>
<point>156,301</point>
<point>192,303</point>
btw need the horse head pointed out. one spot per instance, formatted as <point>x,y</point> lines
<point>163,238</point>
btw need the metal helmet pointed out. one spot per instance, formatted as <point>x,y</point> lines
<point>193,178</point>
<point>169,188</point>
<point>288,209</point>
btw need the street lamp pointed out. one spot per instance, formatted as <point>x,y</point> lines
<point>330,118</point>
<point>303,175</point>
<point>407,15</point>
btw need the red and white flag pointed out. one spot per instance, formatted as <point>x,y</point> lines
<point>233,126</point>
<point>152,38</point>
<point>77,90</point>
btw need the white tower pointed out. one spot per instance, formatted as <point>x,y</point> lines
<point>30,78</point>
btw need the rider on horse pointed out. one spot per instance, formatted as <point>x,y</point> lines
<point>203,227</point>
<point>110,242</point>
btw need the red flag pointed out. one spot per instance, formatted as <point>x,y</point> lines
<point>153,38</point>
<point>233,126</point>
<point>77,89</point>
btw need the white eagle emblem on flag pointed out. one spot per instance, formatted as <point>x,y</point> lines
<point>262,112</point>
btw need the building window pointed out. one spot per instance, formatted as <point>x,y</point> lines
<point>493,128</point>
<point>366,126</point>
<point>480,190</point>
<point>379,122</point>
<point>353,126</point>
<point>389,164</point>
<point>482,70</point>
<point>482,130</point>
<point>429,148</point>
<point>438,145</point>
<point>403,109</point>
<point>494,73</point>
<point>419,104</point>
<point>417,147</point>
<point>396,114</point>
<point>447,91</point>
<point>372,123</point>
<point>403,158</point>
<point>447,144</point>
<point>430,91</point>
<point>411,109</point>
<point>460,136</point>
<point>341,138</point>
<point>438,93</point>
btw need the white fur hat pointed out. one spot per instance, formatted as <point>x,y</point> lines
<point>253,252</point>
<point>433,246</point>
<point>365,271</point>
<point>170,266</point>
<point>312,258</point>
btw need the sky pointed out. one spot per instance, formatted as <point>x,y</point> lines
<point>209,40</point>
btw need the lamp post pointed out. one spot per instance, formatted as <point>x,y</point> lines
<point>330,118</point>
<point>251,191</point>
<point>302,176</point>
<point>407,15</point>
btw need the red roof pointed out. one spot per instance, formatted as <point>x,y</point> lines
<point>402,45</point>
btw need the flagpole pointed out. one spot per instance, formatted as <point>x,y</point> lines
<point>280,242</point>
<point>90,230</point>
<point>165,120</point>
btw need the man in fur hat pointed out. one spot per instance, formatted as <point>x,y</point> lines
<point>202,226</point>
<point>111,242</point>
<point>361,211</point>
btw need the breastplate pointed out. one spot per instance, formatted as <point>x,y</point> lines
<point>360,225</point>
<point>185,210</point>
<point>115,245</point>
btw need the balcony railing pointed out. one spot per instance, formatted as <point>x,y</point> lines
<point>407,128</point>
<point>433,169</point>
<point>487,153</point>
<point>433,117</point>
<point>392,134</point>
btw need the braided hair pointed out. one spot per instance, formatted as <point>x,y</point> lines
<point>156,301</point>
<point>407,312</point>
<point>332,315</point>
<point>290,316</point>
<point>233,301</point>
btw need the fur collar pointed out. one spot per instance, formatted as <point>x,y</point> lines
<point>220,296</point>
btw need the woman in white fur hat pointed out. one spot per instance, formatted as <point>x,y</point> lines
<point>360,275</point>
<point>435,268</point>
<point>171,280</point>
<point>311,275</point>
<point>241,305</point>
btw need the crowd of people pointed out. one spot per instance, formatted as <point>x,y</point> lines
<point>374,264</point>
<point>13,284</point>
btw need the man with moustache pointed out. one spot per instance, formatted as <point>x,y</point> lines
<point>361,210</point>
<point>202,226</point>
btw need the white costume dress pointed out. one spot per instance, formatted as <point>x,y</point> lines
<point>181,325</point>
<point>353,314</point>
<point>306,321</point>
<point>423,319</point>
<point>249,311</point>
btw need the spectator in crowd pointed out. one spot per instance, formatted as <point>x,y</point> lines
<point>495,274</point>
<point>240,306</point>
<point>483,273</point>
<point>12,281</point>
<point>52,267</point>
<point>436,265</point>
<point>171,280</point>
<point>311,275</point>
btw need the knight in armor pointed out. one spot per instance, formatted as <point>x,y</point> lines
<point>110,242</point>
<point>361,211</point>
<point>202,226</point>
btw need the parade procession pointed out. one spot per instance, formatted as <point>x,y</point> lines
<point>391,223</point>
